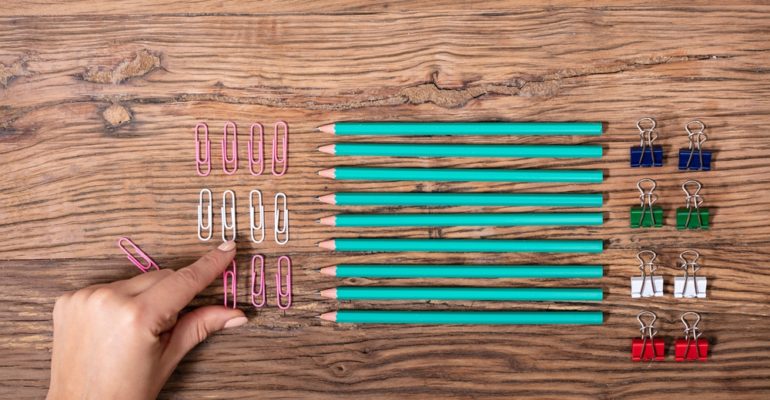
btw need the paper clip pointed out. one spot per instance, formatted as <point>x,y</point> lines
<point>280,293</point>
<point>234,143</point>
<point>690,285</point>
<point>253,226</point>
<point>258,299</point>
<point>646,285</point>
<point>647,154</point>
<point>687,159</point>
<point>231,276</point>
<point>284,148</point>
<point>277,228</point>
<point>260,149</point>
<point>148,262</point>
<point>692,347</point>
<point>202,161</point>
<point>646,214</point>
<point>223,211</point>
<point>693,201</point>
<point>647,348</point>
<point>209,212</point>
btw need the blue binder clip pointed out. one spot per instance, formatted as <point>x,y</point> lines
<point>647,154</point>
<point>694,158</point>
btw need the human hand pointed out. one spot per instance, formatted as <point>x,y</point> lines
<point>122,340</point>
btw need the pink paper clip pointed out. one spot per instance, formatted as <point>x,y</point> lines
<point>258,299</point>
<point>148,262</point>
<point>231,275</point>
<point>260,149</point>
<point>279,292</point>
<point>225,159</point>
<point>285,148</point>
<point>202,161</point>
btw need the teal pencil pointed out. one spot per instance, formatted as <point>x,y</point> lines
<point>462,150</point>
<point>462,293</point>
<point>464,174</point>
<point>460,219</point>
<point>465,317</point>
<point>464,245</point>
<point>463,128</point>
<point>463,199</point>
<point>482,271</point>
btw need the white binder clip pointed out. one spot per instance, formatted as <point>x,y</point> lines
<point>646,285</point>
<point>690,285</point>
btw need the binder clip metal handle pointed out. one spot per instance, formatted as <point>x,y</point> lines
<point>692,347</point>
<point>690,285</point>
<point>202,157</point>
<point>646,285</point>
<point>258,297</point>
<point>233,161</point>
<point>647,348</point>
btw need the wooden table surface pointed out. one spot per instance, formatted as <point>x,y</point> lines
<point>97,105</point>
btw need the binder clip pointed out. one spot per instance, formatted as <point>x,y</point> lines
<point>207,226</point>
<point>283,160</point>
<point>283,293</point>
<point>647,214</point>
<point>258,298</point>
<point>646,285</point>
<point>690,285</point>
<point>692,347</point>
<point>692,216</point>
<point>647,154</point>
<point>260,145</point>
<point>647,348</point>
<point>252,225</point>
<point>223,212</point>
<point>694,157</point>
<point>231,276</point>
<point>232,161</point>
<point>143,266</point>
<point>202,161</point>
<point>279,229</point>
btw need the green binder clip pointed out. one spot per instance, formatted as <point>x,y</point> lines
<point>647,215</point>
<point>692,216</point>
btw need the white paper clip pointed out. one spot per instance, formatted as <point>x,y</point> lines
<point>252,224</point>
<point>223,211</point>
<point>690,285</point>
<point>202,227</point>
<point>646,285</point>
<point>277,228</point>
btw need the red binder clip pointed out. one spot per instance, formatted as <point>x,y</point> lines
<point>692,347</point>
<point>647,348</point>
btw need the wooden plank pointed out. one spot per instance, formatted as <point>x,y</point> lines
<point>97,106</point>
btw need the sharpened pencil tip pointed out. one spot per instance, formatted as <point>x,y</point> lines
<point>330,316</point>
<point>329,293</point>
<point>331,221</point>
<point>328,128</point>
<point>328,199</point>
<point>327,173</point>
<point>327,244</point>
<point>329,271</point>
<point>328,149</point>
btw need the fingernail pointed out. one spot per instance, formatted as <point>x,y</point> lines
<point>235,322</point>
<point>227,246</point>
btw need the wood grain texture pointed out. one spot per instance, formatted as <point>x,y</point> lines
<point>97,106</point>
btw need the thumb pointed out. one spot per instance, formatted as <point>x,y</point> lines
<point>195,326</point>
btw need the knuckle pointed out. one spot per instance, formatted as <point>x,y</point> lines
<point>102,296</point>
<point>132,315</point>
<point>201,332</point>
<point>61,304</point>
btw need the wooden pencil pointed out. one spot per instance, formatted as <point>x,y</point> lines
<point>465,174</point>
<point>462,150</point>
<point>462,128</point>
<point>420,317</point>
<point>464,219</point>
<point>440,199</point>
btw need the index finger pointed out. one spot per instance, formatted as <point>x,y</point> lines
<point>174,292</point>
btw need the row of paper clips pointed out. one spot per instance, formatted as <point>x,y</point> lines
<point>258,287</point>
<point>280,160</point>
<point>256,212</point>
<point>650,285</point>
